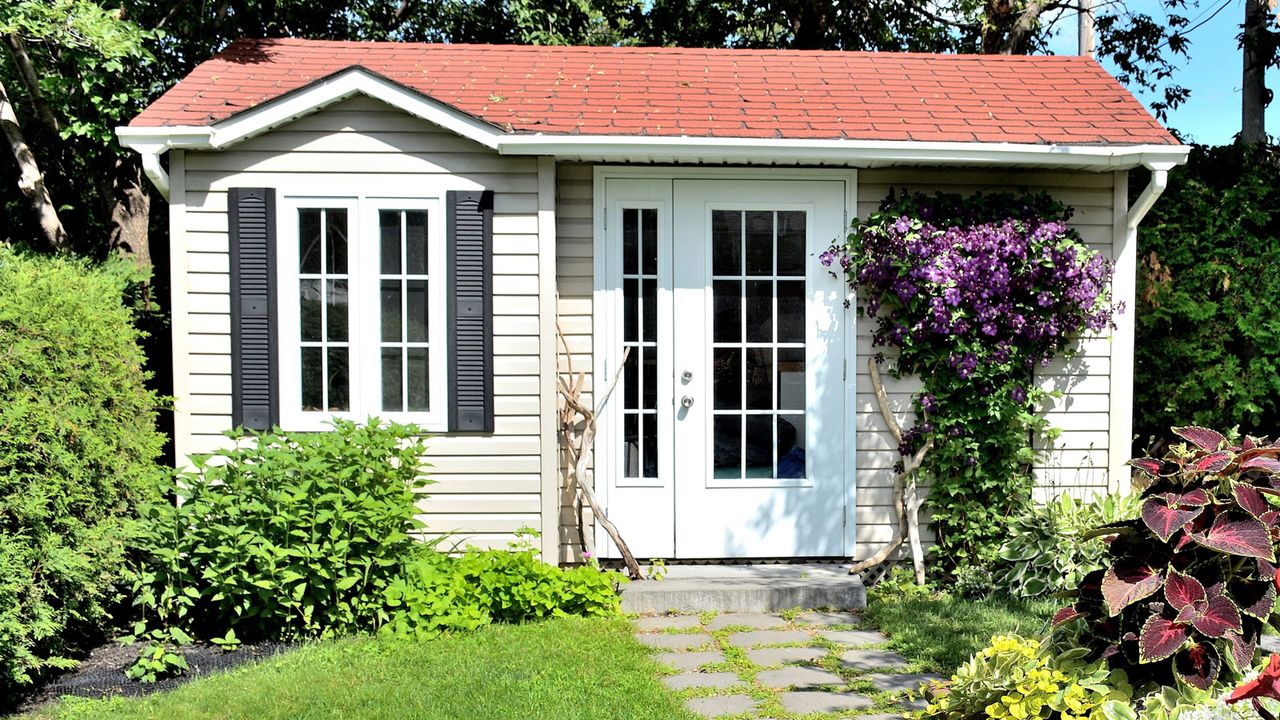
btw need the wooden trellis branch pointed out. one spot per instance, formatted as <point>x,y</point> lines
<point>906,495</point>
<point>577,434</point>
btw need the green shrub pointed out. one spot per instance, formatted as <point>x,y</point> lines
<point>288,535</point>
<point>1046,552</point>
<point>78,445</point>
<point>1208,337</point>
<point>972,582</point>
<point>440,592</point>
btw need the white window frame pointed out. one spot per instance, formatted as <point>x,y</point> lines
<point>364,310</point>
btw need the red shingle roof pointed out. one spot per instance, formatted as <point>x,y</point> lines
<point>693,92</point>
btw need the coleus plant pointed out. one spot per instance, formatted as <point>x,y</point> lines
<point>1190,584</point>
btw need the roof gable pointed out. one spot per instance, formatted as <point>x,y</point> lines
<point>485,92</point>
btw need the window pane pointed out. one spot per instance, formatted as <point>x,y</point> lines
<point>630,311</point>
<point>759,311</point>
<point>339,380</point>
<point>336,241</point>
<point>391,311</point>
<point>309,310</point>
<point>726,323</point>
<point>727,379</point>
<point>312,379</point>
<point>791,379</point>
<point>728,446</point>
<point>416,310</point>
<point>418,374</point>
<point>392,381</point>
<point>309,242</point>
<point>631,445</point>
<point>649,292</point>
<point>415,242</point>
<point>726,242</point>
<point>650,377</point>
<point>791,446</point>
<point>336,297</point>
<point>650,431</point>
<point>631,380</point>
<point>791,311</point>
<point>791,238</point>
<point>759,448</point>
<point>759,242</point>
<point>649,240</point>
<point>630,242</point>
<point>759,384</point>
<point>389,228</point>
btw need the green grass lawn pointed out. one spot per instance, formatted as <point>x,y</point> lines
<point>562,669</point>
<point>941,632</point>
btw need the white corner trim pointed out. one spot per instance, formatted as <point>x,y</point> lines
<point>548,314</point>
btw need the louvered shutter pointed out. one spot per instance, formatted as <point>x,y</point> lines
<point>252,235</point>
<point>470,324</point>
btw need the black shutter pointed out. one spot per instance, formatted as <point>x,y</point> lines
<point>470,324</point>
<point>252,230</point>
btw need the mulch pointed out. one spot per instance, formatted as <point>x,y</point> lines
<point>102,674</point>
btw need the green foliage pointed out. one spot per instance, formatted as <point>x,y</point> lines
<point>77,453</point>
<point>973,293</point>
<point>1208,339</point>
<point>972,582</point>
<point>1189,587</point>
<point>441,593</point>
<point>161,653</point>
<point>1046,551</point>
<point>287,535</point>
<point>1016,678</point>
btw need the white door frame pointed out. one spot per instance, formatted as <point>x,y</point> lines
<point>607,301</point>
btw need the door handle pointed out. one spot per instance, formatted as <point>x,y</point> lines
<point>686,401</point>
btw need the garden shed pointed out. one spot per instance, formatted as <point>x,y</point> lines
<point>432,233</point>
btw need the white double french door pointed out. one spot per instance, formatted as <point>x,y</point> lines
<point>727,434</point>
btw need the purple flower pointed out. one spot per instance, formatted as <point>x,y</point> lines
<point>827,258</point>
<point>1019,394</point>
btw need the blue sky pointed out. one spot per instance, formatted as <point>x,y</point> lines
<point>1211,70</point>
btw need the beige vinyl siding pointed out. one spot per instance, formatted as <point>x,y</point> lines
<point>575,282</point>
<point>486,486</point>
<point>1077,462</point>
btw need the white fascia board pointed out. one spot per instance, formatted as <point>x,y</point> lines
<point>304,101</point>
<point>850,152</point>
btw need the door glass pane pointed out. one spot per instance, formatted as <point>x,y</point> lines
<point>727,366</point>
<point>631,445</point>
<point>640,340</point>
<point>759,242</point>
<point>791,446</point>
<point>727,446</point>
<point>649,241</point>
<point>312,379</point>
<point>650,383</point>
<point>759,378</point>
<point>336,320</point>
<point>726,321</point>
<point>791,311</point>
<point>631,380</point>
<point>649,309</point>
<point>309,241</point>
<point>759,308</point>
<point>392,379</point>
<point>791,379</point>
<point>416,310</point>
<point>630,242</point>
<point>630,310</point>
<point>649,427</point>
<point>339,383</point>
<point>791,241</point>
<point>758,447</point>
<point>726,242</point>
<point>417,372</point>
<point>309,310</point>
<point>391,321</point>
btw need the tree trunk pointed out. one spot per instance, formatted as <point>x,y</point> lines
<point>1253,102</point>
<point>130,213</point>
<point>30,181</point>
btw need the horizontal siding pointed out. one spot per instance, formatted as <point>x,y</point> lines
<point>484,488</point>
<point>1077,461</point>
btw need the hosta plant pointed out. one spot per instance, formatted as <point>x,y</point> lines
<point>1189,585</point>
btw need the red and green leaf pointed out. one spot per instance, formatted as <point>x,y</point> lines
<point>1127,582</point>
<point>1242,650</point>
<point>1161,638</point>
<point>1254,597</point>
<point>1150,466</point>
<point>1182,590</point>
<point>1266,570</point>
<point>1218,617</point>
<point>1197,497</point>
<point>1201,437</point>
<point>1246,537</point>
<point>1266,464</point>
<point>1065,615</point>
<point>1198,665</point>
<point>1214,462</point>
<point>1164,520</point>
<point>1251,500</point>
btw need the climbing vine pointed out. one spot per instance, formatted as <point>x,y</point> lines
<point>974,293</point>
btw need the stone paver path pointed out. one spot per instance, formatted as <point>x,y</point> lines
<point>774,667</point>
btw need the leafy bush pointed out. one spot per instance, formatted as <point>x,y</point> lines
<point>1208,338</point>
<point>1018,678</point>
<point>1189,586</point>
<point>1046,551</point>
<point>440,592</point>
<point>77,452</point>
<point>287,535</point>
<point>974,293</point>
<point>972,582</point>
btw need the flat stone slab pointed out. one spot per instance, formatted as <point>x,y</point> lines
<point>854,637</point>
<point>755,621</point>
<point>667,622</point>
<point>917,704</point>
<point>690,660</point>
<point>755,638</point>
<point>733,589</point>
<point>872,659</point>
<point>663,641</point>
<point>687,680</point>
<point>798,677</point>
<point>814,617</point>
<point>768,657</point>
<point>894,682</point>
<point>803,703</point>
<point>721,705</point>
